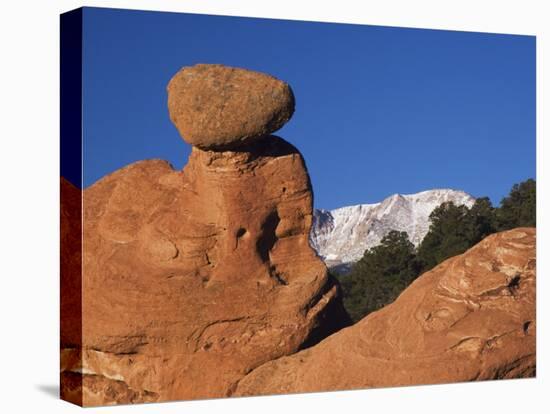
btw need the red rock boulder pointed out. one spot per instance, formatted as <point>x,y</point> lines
<point>193,278</point>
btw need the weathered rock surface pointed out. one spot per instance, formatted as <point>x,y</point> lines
<point>215,106</point>
<point>470,318</point>
<point>193,278</point>
<point>71,263</point>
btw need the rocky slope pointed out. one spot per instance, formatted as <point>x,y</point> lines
<point>192,278</point>
<point>470,318</point>
<point>341,236</point>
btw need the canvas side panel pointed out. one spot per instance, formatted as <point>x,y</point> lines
<point>71,206</point>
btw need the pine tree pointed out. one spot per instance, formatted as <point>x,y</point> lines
<point>482,216</point>
<point>450,234</point>
<point>519,209</point>
<point>380,276</point>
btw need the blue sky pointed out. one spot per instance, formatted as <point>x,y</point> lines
<point>379,110</point>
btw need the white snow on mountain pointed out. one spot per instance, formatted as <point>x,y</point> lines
<point>341,236</point>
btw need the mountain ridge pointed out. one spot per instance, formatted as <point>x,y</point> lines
<point>341,236</point>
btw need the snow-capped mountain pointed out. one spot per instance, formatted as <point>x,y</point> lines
<point>341,236</point>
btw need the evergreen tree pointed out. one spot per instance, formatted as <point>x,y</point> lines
<point>454,229</point>
<point>380,276</point>
<point>519,209</point>
<point>482,216</point>
<point>450,234</point>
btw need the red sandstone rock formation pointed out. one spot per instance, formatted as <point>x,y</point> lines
<point>193,278</point>
<point>215,106</point>
<point>71,283</point>
<point>470,318</point>
<point>200,283</point>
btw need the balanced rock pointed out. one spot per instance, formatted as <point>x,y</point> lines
<point>219,107</point>
<point>193,278</point>
<point>470,318</point>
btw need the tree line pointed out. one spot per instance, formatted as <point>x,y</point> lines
<point>386,270</point>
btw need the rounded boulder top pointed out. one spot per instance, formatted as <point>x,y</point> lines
<point>221,107</point>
